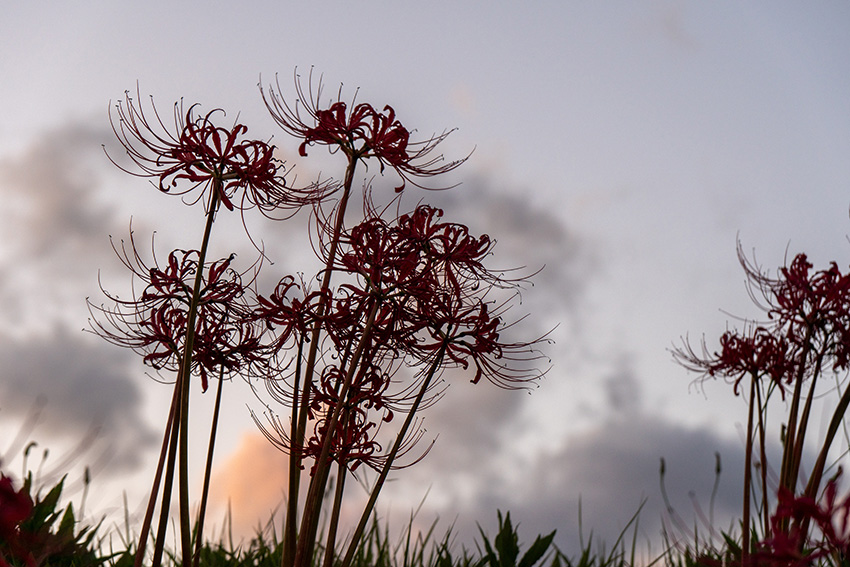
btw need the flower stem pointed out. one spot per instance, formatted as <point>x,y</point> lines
<point>146,524</point>
<point>185,375</point>
<point>162,528</point>
<point>199,538</point>
<point>330,547</point>
<point>289,528</point>
<point>312,506</point>
<point>290,553</point>
<point>385,471</point>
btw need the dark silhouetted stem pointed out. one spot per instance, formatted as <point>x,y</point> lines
<point>290,553</point>
<point>748,476</point>
<point>834,425</point>
<point>330,548</point>
<point>313,504</point>
<point>146,524</point>
<point>788,476</point>
<point>289,527</point>
<point>385,471</point>
<point>762,415</point>
<point>801,429</point>
<point>185,375</point>
<point>199,537</point>
<point>162,528</point>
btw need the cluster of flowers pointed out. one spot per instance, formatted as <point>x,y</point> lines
<point>399,300</point>
<point>803,343</point>
<point>789,542</point>
<point>154,323</point>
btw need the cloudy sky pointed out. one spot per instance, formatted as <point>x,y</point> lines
<point>625,146</point>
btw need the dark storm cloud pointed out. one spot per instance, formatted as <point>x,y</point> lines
<point>622,388</point>
<point>599,480</point>
<point>55,224</point>
<point>527,236</point>
<point>54,242</point>
<point>54,181</point>
<point>618,466</point>
<point>595,480</point>
<point>87,390</point>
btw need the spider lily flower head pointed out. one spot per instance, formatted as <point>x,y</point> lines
<point>15,507</point>
<point>359,130</point>
<point>755,352</point>
<point>436,295</point>
<point>789,541</point>
<point>353,440</point>
<point>806,310</point>
<point>288,311</point>
<point>807,305</point>
<point>154,322</point>
<point>366,407</point>
<point>201,160</point>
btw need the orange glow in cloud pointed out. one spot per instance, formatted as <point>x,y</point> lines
<point>252,479</point>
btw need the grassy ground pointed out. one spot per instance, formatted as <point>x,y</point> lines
<point>51,536</point>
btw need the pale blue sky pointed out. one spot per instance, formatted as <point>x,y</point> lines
<point>630,143</point>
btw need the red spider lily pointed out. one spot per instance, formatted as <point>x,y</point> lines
<point>812,308</point>
<point>154,323</point>
<point>361,132</point>
<point>207,157</point>
<point>805,335</point>
<point>353,439</point>
<point>15,507</point>
<point>367,405</point>
<point>790,542</point>
<point>755,352</point>
<point>425,281</point>
<point>810,298</point>
<point>434,291</point>
<point>807,313</point>
<point>287,315</point>
<point>787,543</point>
<point>834,523</point>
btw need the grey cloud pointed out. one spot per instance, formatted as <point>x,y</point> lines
<point>54,229</point>
<point>598,481</point>
<point>54,181</point>
<point>88,392</point>
<point>527,236</point>
<point>595,480</point>
<point>622,389</point>
<point>471,420</point>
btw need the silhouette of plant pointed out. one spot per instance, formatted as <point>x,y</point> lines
<point>401,298</point>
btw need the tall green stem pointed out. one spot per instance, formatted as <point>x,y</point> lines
<point>185,375</point>
<point>289,529</point>
<point>789,473</point>
<point>330,547</point>
<point>748,475</point>
<point>385,471</point>
<point>146,524</point>
<point>162,528</point>
<point>310,520</point>
<point>199,537</point>
<point>762,416</point>
<point>299,430</point>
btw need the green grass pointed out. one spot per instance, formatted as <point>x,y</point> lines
<point>57,539</point>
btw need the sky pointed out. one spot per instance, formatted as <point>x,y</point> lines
<point>623,147</point>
